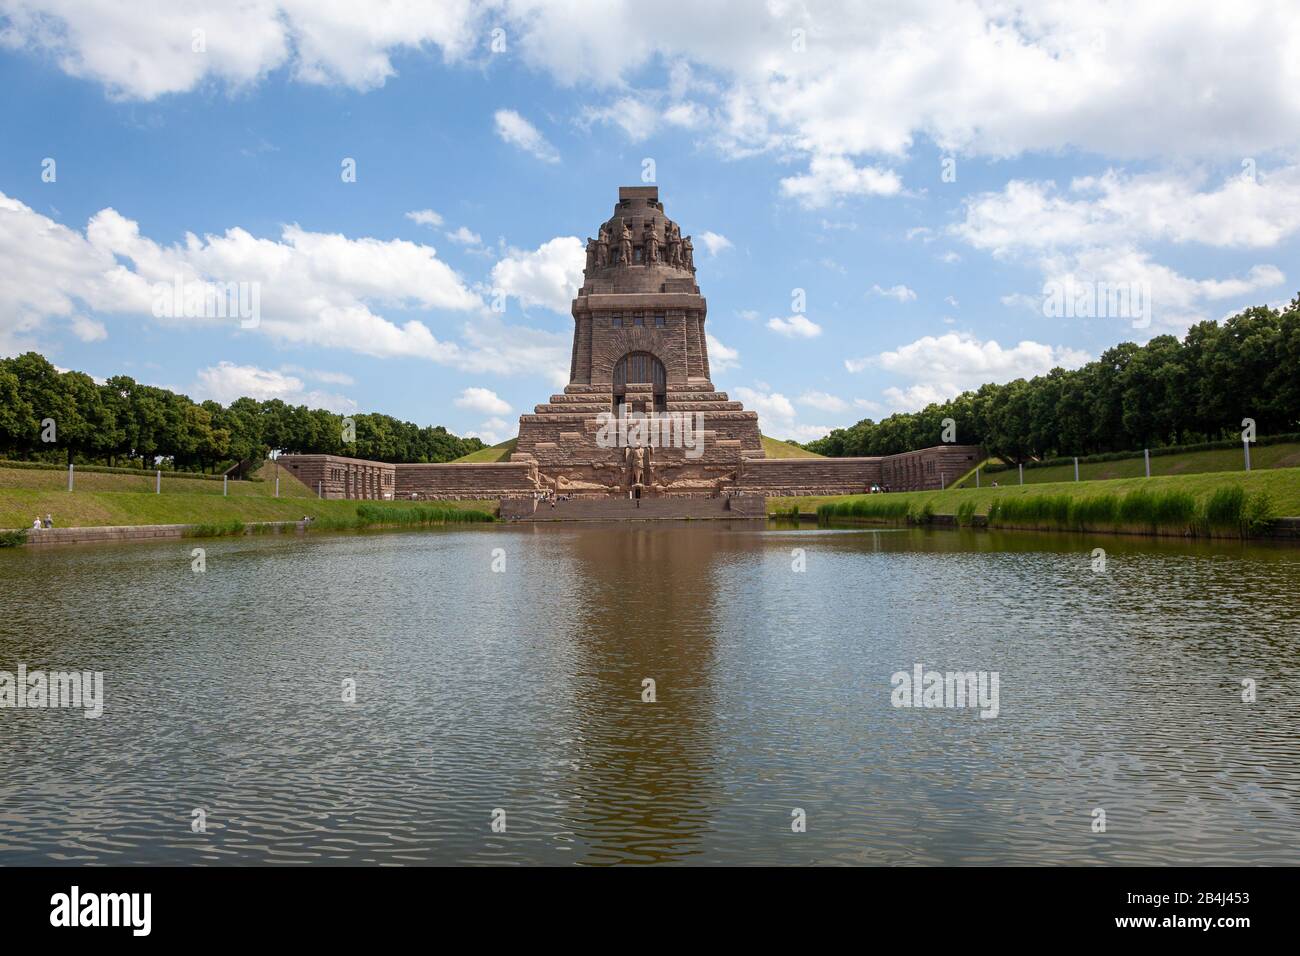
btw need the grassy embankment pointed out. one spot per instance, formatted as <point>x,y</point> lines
<point>499,452</point>
<point>1262,457</point>
<point>1213,503</point>
<point>112,499</point>
<point>779,449</point>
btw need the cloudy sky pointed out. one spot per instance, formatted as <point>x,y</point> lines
<point>879,193</point>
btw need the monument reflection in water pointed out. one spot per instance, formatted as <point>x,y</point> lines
<point>522,690</point>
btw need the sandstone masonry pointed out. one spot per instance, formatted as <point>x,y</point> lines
<point>639,349</point>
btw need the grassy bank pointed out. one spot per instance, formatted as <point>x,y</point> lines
<point>1262,457</point>
<point>499,452</point>
<point>18,506</point>
<point>1175,504</point>
<point>143,482</point>
<point>774,448</point>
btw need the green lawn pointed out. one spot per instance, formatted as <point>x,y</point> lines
<point>143,483</point>
<point>1188,463</point>
<point>774,448</point>
<point>499,452</point>
<point>18,506</point>
<point>1282,485</point>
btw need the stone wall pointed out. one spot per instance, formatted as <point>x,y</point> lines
<point>563,450</point>
<point>334,476</point>
<point>929,469</point>
<point>781,477</point>
<point>355,479</point>
<point>501,479</point>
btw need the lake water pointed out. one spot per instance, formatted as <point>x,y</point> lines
<point>521,690</point>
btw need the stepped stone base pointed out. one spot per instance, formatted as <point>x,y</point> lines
<point>568,440</point>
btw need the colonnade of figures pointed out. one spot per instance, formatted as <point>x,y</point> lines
<point>672,249</point>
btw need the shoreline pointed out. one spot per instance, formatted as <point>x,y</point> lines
<point>1284,529</point>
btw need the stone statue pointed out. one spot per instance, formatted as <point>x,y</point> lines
<point>638,458</point>
<point>591,254</point>
<point>651,240</point>
<point>688,254</point>
<point>673,236</point>
<point>625,245</point>
<point>602,247</point>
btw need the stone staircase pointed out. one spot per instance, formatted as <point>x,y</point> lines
<point>626,509</point>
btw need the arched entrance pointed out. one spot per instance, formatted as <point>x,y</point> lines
<point>640,369</point>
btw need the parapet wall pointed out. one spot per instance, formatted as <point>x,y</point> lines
<point>782,477</point>
<point>929,469</point>
<point>496,479</point>
<point>729,438</point>
<point>335,476</point>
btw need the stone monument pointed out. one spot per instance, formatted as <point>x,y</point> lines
<point>639,349</point>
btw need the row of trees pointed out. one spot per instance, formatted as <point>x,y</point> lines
<point>50,415</point>
<point>1167,392</point>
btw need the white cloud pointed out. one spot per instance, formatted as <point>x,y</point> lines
<point>479,399</point>
<point>824,401</point>
<point>424,217</point>
<point>721,358</point>
<point>549,276</point>
<point>899,293</point>
<point>833,177</point>
<point>973,78</point>
<point>464,237</point>
<point>941,367</point>
<point>88,330</point>
<point>316,289</point>
<point>636,116</point>
<point>771,406</point>
<point>1095,230</point>
<point>641,113</point>
<point>493,431</point>
<point>1117,208</point>
<point>1176,301</point>
<point>795,327</point>
<point>144,50</point>
<point>714,242</point>
<point>226,381</point>
<point>915,397</point>
<point>331,378</point>
<point>517,131</point>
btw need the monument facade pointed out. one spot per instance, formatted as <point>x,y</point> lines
<point>640,354</point>
<point>640,416</point>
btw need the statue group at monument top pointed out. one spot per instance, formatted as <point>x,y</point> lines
<point>635,236</point>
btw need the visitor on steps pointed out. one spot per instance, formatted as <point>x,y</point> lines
<point>49,521</point>
<point>36,525</point>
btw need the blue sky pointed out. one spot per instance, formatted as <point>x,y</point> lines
<point>802,150</point>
